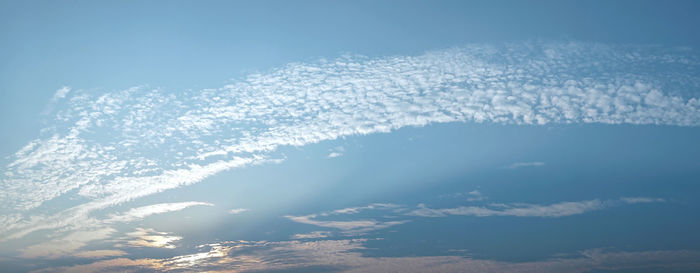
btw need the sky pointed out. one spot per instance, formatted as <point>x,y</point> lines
<point>349,136</point>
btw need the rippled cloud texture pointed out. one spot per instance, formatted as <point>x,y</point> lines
<point>107,149</point>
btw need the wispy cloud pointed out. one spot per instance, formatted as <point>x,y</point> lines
<point>336,152</point>
<point>355,222</point>
<point>636,200</point>
<point>312,235</point>
<point>349,226</point>
<point>146,237</point>
<point>353,210</point>
<point>60,93</point>
<point>520,210</point>
<point>529,210</point>
<point>237,211</point>
<point>90,230</point>
<point>143,212</point>
<point>113,148</point>
<point>525,164</point>
<point>474,196</point>
<point>66,245</point>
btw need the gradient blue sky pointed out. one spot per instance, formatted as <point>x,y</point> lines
<point>358,136</point>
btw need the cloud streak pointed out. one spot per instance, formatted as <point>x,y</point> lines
<point>525,164</point>
<point>143,212</point>
<point>237,211</point>
<point>519,210</point>
<point>349,226</point>
<point>530,210</point>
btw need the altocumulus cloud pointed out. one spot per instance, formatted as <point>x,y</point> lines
<point>111,148</point>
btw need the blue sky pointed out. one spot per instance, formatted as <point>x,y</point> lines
<point>556,136</point>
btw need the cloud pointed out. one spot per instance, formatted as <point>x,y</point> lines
<point>529,210</point>
<point>354,210</point>
<point>91,230</point>
<point>637,200</point>
<point>312,235</point>
<point>519,210</point>
<point>349,226</point>
<point>100,253</point>
<point>147,237</point>
<point>334,154</point>
<point>67,245</point>
<point>145,211</point>
<point>367,224</point>
<point>474,196</point>
<point>237,211</point>
<point>346,256</point>
<point>525,164</point>
<point>60,93</point>
<point>111,148</point>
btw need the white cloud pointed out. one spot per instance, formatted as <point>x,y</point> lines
<point>525,164</point>
<point>360,224</point>
<point>528,210</point>
<point>66,245</point>
<point>116,147</point>
<point>60,93</point>
<point>334,154</point>
<point>519,210</point>
<point>353,210</point>
<point>89,230</point>
<point>349,226</point>
<point>636,200</point>
<point>474,196</point>
<point>145,211</point>
<point>237,211</point>
<point>312,235</point>
<point>147,237</point>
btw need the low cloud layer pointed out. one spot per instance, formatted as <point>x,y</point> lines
<point>108,149</point>
<point>346,256</point>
